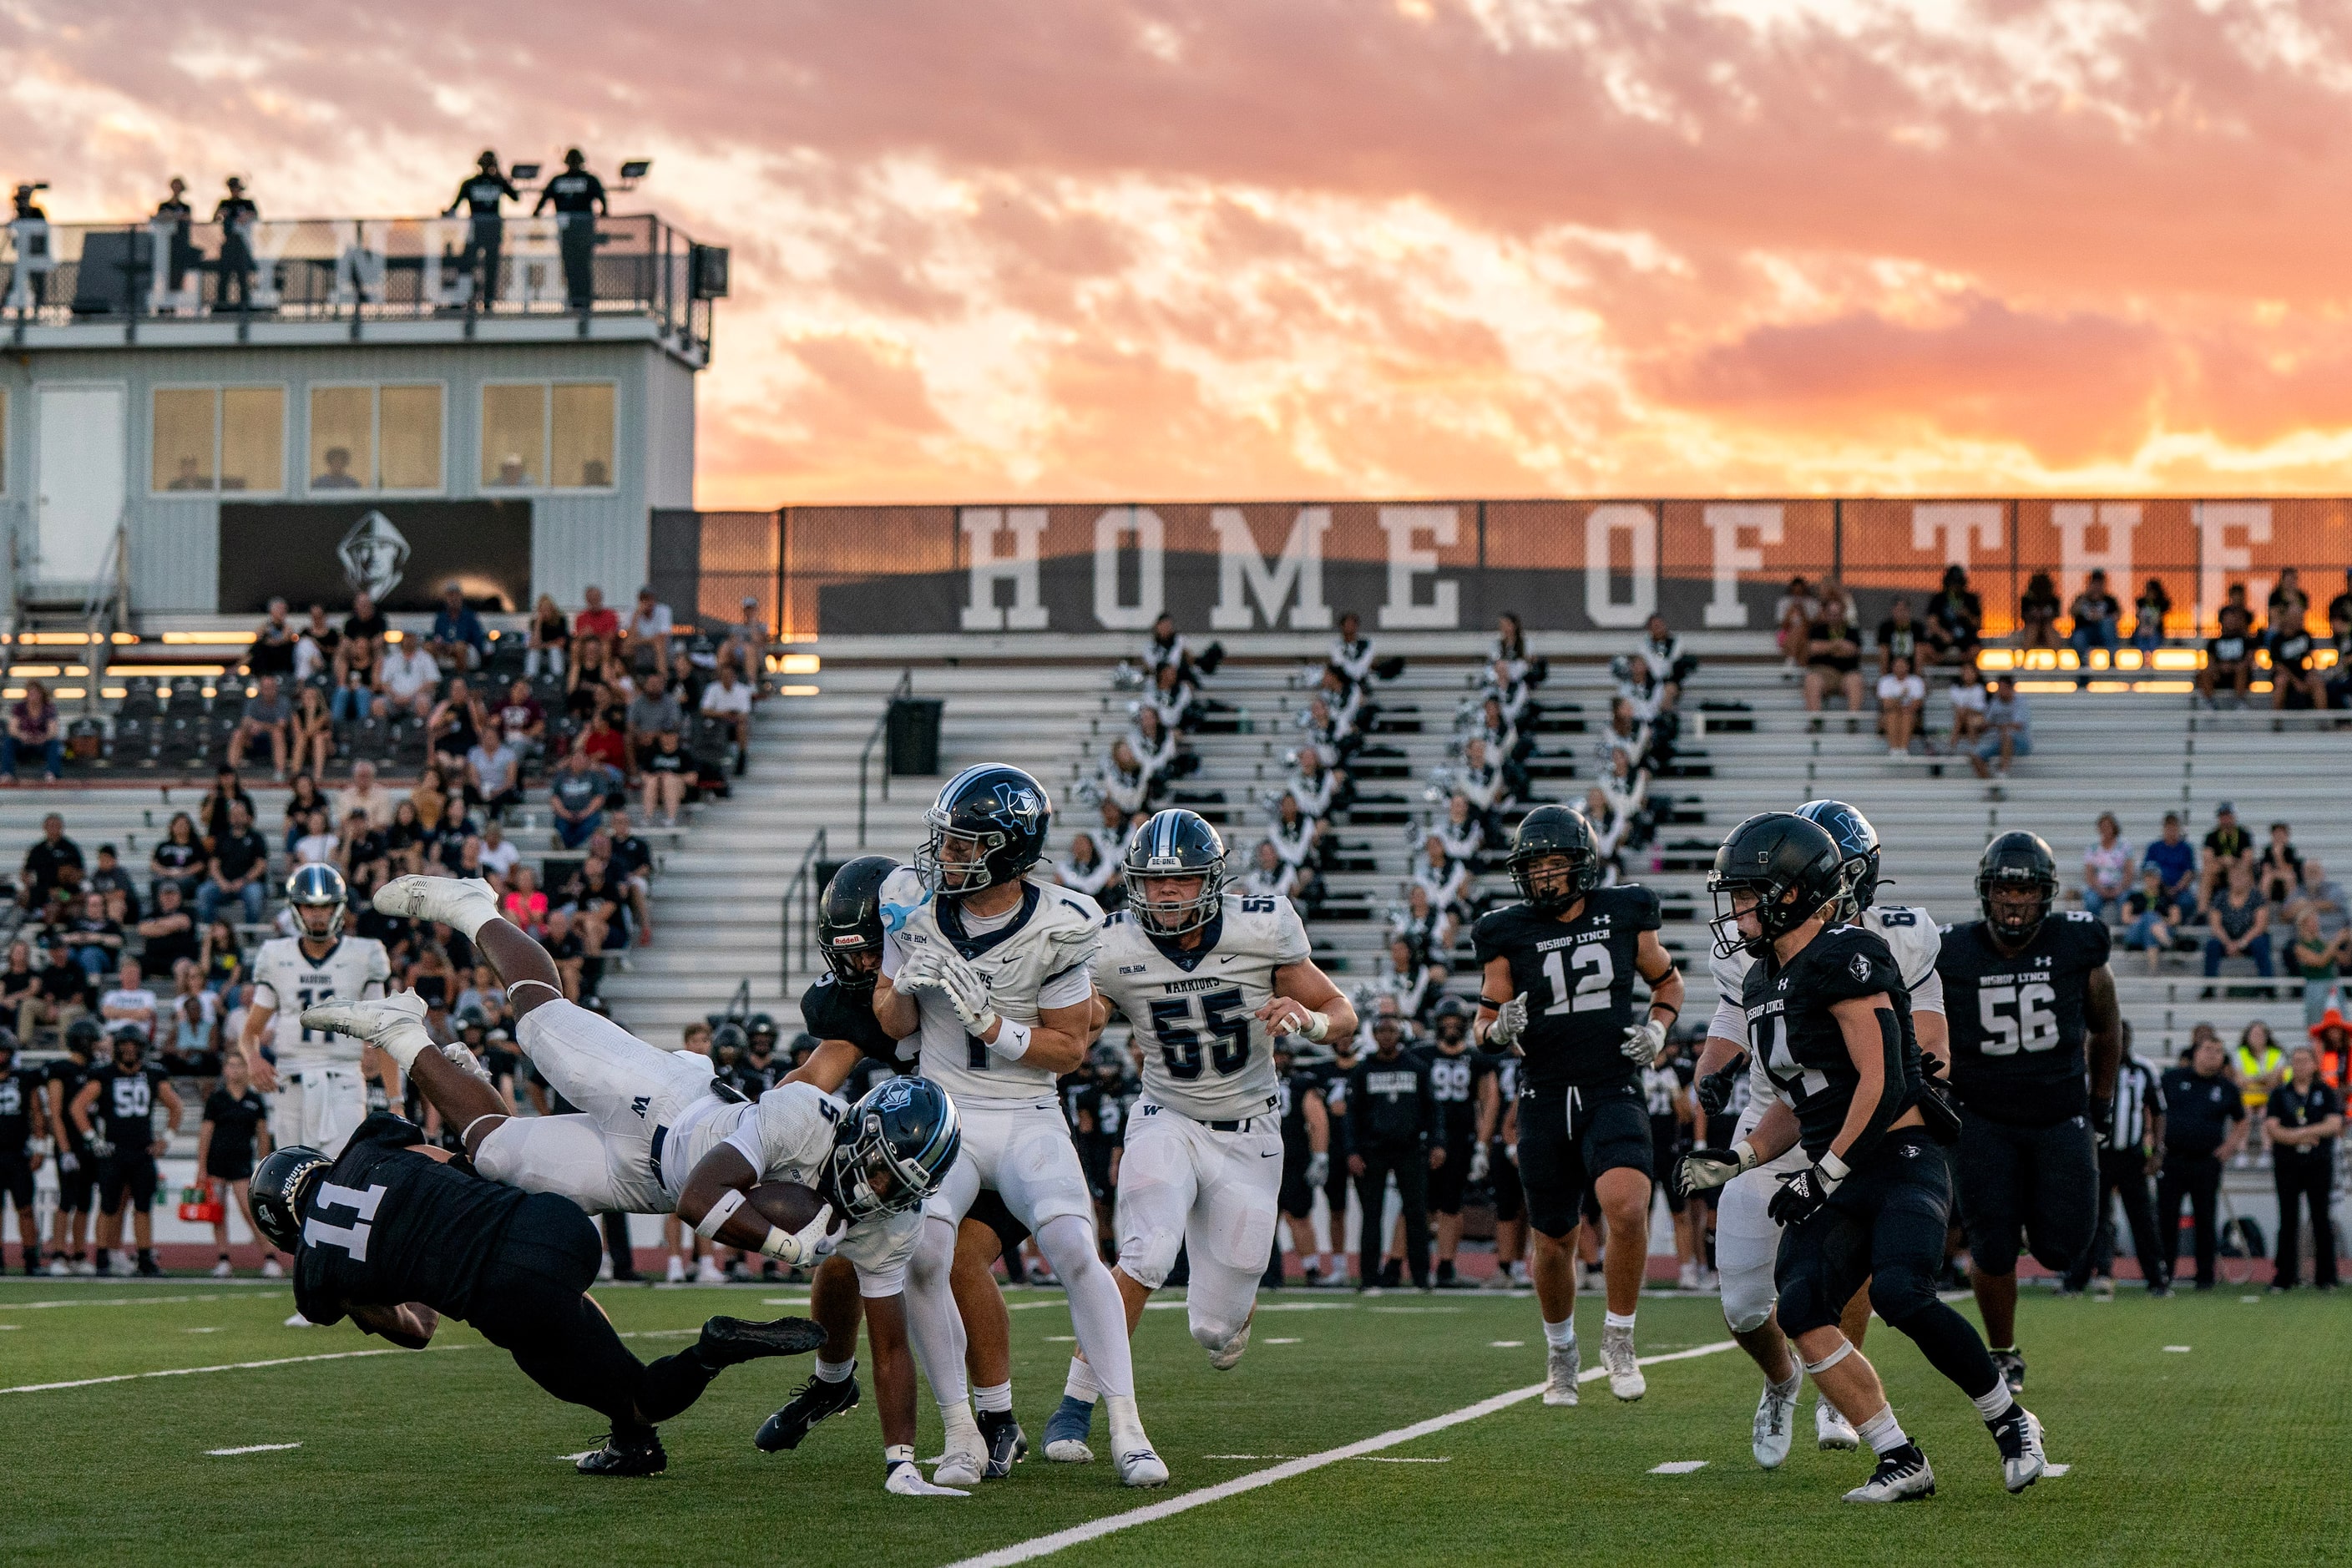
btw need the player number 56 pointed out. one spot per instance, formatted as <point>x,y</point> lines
<point>2031,1025</point>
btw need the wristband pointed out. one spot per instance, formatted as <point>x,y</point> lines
<point>708,1226</point>
<point>898,1453</point>
<point>780,1246</point>
<point>1318,1026</point>
<point>1833,1167</point>
<point>1746,1152</point>
<point>1011,1039</point>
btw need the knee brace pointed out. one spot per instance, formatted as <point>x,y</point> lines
<point>1899,1290</point>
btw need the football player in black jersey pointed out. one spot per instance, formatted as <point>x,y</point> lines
<point>2036,1037</point>
<point>1830,1020</point>
<point>1462,1081</point>
<point>77,1166</point>
<point>1306,1154</point>
<point>397,1235</point>
<point>24,1145</point>
<point>1557,988</point>
<point>114,1115</point>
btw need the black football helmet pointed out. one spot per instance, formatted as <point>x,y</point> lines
<point>849,920</point>
<point>2017,859</point>
<point>1792,865</point>
<point>893,1149</point>
<point>1000,813</point>
<point>727,1044</point>
<point>1175,843</point>
<point>281,1190</point>
<point>1554,830</point>
<point>1857,843</point>
<point>318,887</point>
<point>83,1037</point>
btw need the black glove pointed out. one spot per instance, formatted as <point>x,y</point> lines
<point>1715,1090</point>
<point>1801,1195</point>
<point>2103,1121</point>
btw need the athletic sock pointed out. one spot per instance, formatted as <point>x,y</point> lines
<point>1617,1320</point>
<point>1882,1432</point>
<point>1081,1385</point>
<point>834,1371</point>
<point>1786,1388</point>
<point>1995,1402</point>
<point>993,1397</point>
<point>1560,1335</point>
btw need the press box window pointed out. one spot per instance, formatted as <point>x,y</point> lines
<point>219,439</point>
<point>375,438</point>
<point>538,436</point>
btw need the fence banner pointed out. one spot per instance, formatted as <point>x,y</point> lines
<point>1448,565</point>
<point>321,552</point>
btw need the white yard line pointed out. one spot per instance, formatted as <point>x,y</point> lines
<point>1095,1529</point>
<point>251,1449</point>
<point>135,1300</point>
<point>226,1366</point>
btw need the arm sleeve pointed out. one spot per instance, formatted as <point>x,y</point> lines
<point>1927,996</point>
<point>1729,1022</point>
<point>892,955</point>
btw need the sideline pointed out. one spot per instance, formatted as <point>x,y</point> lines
<point>1043,1545</point>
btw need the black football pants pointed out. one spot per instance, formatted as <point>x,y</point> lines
<point>2198,1178</point>
<point>2301,1178</point>
<point>2124,1173</point>
<point>1410,1165</point>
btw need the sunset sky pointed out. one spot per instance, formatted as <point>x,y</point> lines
<point>1195,249</point>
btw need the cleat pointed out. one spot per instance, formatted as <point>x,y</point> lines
<point>1067,1431</point>
<point>966,1459</point>
<point>149,1269</point>
<point>58,1268</point>
<point>222,1270</point>
<point>2103,1288</point>
<point>619,1457</point>
<point>271,1268</point>
<point>706,1273</point>
<point>1130,1450</point>
<point>2012,1367</point>
<point>817,1400</point>
<point>1625,1379</point>
<point>84,1269</point>
<point>394,1025</point>
<point>2019,1433</point>
<point>1560,1368</point>
<point>1775,1423</point>
<point>449,900</point>
<point>1902,1475</point>
<point>299,1321</point>
<point>1831,1430</point>
<point>675,1273</point>
<point>1006,1445</point>
<point>1227,1356</point>
<point>731,1342</point>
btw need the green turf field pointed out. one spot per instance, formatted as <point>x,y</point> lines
<point>2232,1450</point>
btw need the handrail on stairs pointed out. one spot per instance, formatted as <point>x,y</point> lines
<point>906,687</point>
<point>803,890</point>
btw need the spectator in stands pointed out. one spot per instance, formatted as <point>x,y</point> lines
<point>95,937</point>
<point>651,712</point>
<point>2258,1065</point>
<point>365,623</point>
<point>301,800</point>
<point>34,727</point>
<point>646,645</point>
<point>1159,748</point>
<point>2148,616</point>
<point>311,732</point>
<point>2107,869</point>
<point>728,700</point>
<point>317,845</point>
<point>2241,922</point>
<point>63,995</point>
<point>2279,870</point>
<point>1413,981</point>
<point>178,859</point>
<point>2037,612</point>
<point>267,716</point>
<point>1833,653</point>
<point>1462,831</point>
<point>1083,869</point>
<point>2009,731</point>
<point>454,727</point>
<point>1900,636</point>
<point>431,799</point>
<point>456,641</point>
<point>1312,785</point>
<point>1166,648</point>
<point>666,771</point>
<point>1793,615</point>
<point>53,865</point>
<point>1669,664</point>
<point>1902,701</point>
<point>1352,655</point>
<point>1268,874</point>
<point>1481,781</point>
<point>745,648</point>
<point>364,794</point>
<point>403,840</point>
<point>2146,929</point>
<point>108,879</point>
<point>2295,682</point>
<point>2227,845</point>
<point>1174,699</point>
<point>130,1007</point>
<point>605,744</point>
<point>355,697</point>
<point>596,618</point>
<point>2287,602</point>
<point>315,645</point>
<point>524,904</point>
<point>1296,838</point>
<point>169,932</point>
<point>550,638</point>
<point>2174,858</point>
<point>575,797</point>
<point>1969,698</point>
<point>520,719</point>
<point>2230,653</point>
<point>1447,882</point>
<point>2318,961</point>
<point>189,1019</point>
<point>222,959</point>
<point>1956,618</point>
<point>272,652</point>
<point>406,679</point>
<point>494,772</point>
<point>2097,618</point>
<point>2324,897</point>
<point>1123,780</point>
<point>2304,1117</point>
<point>240,862</point>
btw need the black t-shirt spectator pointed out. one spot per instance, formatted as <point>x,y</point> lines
<point>2235,642</point>
<point>215,812</point>
<point>630,856</point>
<point>2197,1111</point>
<point>2227,843</point>
<point>566,947</point>
<point>1899,641</point>
<point>44,862</point>
<point>239,853</point>
<point>168,948</point>
<point>89,930</point>
<point>175,859</point>
<point>65,982</point>
<point>2290,646</point>
<point>272,652</point>
<point>234,1118</point>
<point>1390,1103</point>
<point>16,985</point>
<point>2293,1107</point>
<point>372,626</point>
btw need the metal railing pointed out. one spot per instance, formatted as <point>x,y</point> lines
<point>802,893</point>
<point>906,687</point>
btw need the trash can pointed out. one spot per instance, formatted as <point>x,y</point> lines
<point>914,729</point>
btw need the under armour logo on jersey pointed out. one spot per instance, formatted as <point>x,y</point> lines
<point>1861,966</point>
<point>639,1104</point>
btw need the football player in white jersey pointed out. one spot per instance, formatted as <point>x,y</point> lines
<point>991,969</point>
<point>318,1088</point>
<point>1746,1240</point>
<point>1208,980</point>
<point>658,1133</point>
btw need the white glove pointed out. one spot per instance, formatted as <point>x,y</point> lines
<point>100,1144</point>
<point>1643,1041</point>
<point>921,972</point>
<point>466,1062</point>
<point>68,1162</point>
<point>1479,1162</point>
<point>804,1245</point>
<point>906,1481</point>
<point>967,993</point>
<point>1319,1171</point>
<point>1510,1023</point>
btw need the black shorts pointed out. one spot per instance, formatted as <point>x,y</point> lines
<point>1887,1224</point>
<point>1094,1159</point>
<point>1503,1175</point>
<point>989,1209</point>
<point>230,1168</point>
<point>1446,1183</point>
<point>75,1186</point>
<point>1296,1198</point>
<point>2042,1181</point>
<point>17,1182</point>
<point>130,1173</point>
<point>1665,1149</point>
<point>1569,1137</point>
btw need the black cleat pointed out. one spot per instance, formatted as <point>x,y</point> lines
<point>817,1400</point>
<point>2012,1367</point>
<point>730,1342</point>
<point>1006,1446</point>
<point>626,1457</point>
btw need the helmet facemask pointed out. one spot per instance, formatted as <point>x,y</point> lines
<point>953,861</point>
<point>1552,878</point>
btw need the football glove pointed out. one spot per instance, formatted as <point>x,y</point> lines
<point>967,992</point>
<point>1643,1041</point>
<point>906,1481</point>
<point>1510,1023</point>
<point>466,1062</point>
<point>68,1162</point>
<point>1703,1170</point>
<point>921,971</point>
<point>806,1245</point>
<point>1715,1089</point>
<point>1801,1195</point>
<point>100,1144</point>
<point>1319,1171</point>
<point>1480,1161</point>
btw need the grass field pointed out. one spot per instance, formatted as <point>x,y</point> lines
<point>2232,1449</point>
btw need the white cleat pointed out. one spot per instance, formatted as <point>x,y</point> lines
<point>967,1452</point>
<point>222,1270</point>
<point>393,1025</point>
<point>271,1268</point>
<point>464,904</point>
<point>1560,1368</point>
<point>1831,1430</point>
<point>1227,1356</point>
<point>708,1272</point>
<point>299,1321</point>
<point>1776,1421</point>
<point>1625,1379</point>
<point>676,1273</point>
<point>1139,1464</point>
<point>1902,1475</point>
<point>58,1268</point>
<point>2021,1469</point>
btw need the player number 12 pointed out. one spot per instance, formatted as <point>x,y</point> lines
<point>1591,993</point>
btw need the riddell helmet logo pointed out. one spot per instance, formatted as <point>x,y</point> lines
<point>374,555</point>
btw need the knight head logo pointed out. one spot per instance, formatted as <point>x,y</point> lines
<point>374,555</point>
<point>1020,804</point>
<point>1860,967</point>
<point>895,1097</point>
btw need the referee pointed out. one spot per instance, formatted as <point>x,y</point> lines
<point>2204,1127</point>
<point>2128,1162</point>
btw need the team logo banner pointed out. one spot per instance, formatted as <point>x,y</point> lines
<point>403,552</point>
